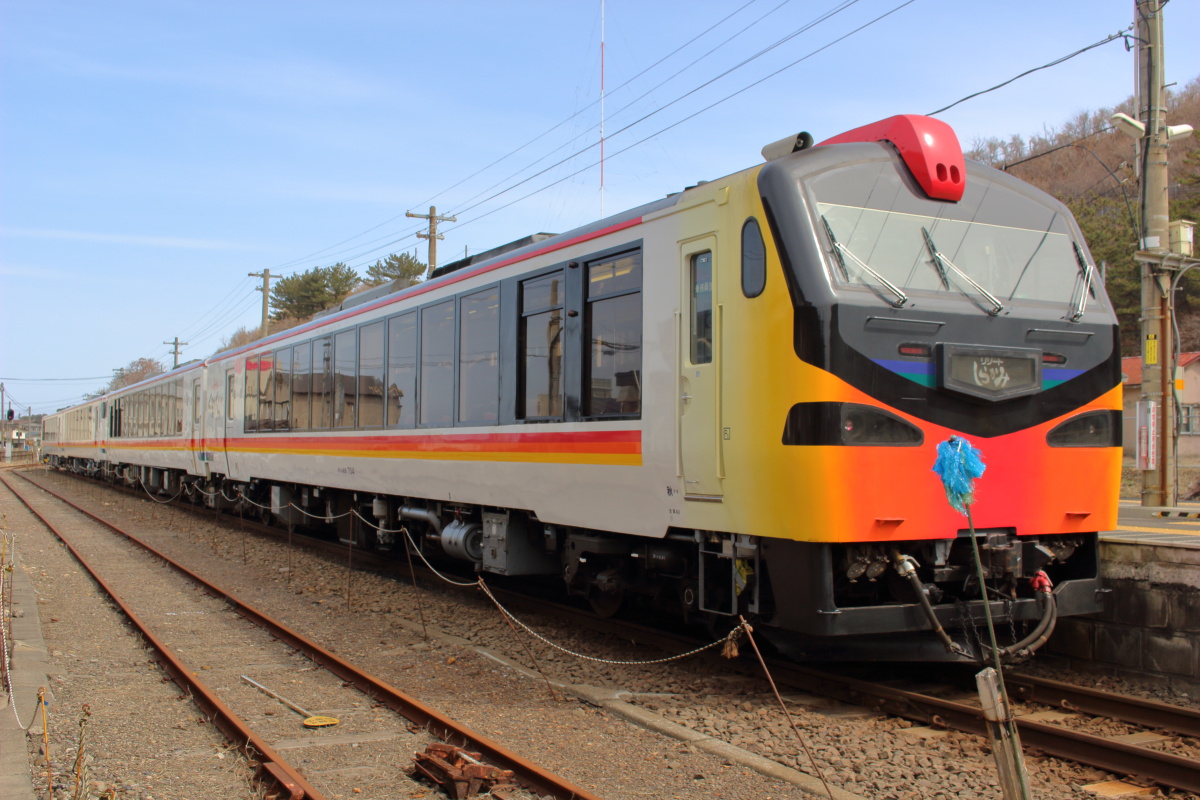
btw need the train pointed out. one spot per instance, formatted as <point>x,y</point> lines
<point>723,404</point>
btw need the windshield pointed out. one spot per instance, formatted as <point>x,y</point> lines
<point>995,244</point>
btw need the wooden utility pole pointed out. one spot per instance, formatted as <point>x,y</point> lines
<point>433,235</point>
<point>1158,264</point>
<point>177,343</point>
<point>266,290</point>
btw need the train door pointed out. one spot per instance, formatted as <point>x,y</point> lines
<point>230,425</point>
<point>101,429</point>
<point>196,428</point>
<point>700,372</point>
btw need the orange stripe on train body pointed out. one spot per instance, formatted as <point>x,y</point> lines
<point>623,447</point>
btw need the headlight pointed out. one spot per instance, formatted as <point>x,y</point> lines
<point>847,424</point>
<point>1094,429</point>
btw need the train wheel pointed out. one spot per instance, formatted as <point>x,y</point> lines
<point>606,604</point>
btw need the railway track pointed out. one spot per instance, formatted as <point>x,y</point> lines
<point>137,582</point>
<point>1150,723</point>
<point>943,707</point>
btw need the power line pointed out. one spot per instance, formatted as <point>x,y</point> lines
<point>657,86</point>
<point>1118,35</point>
<point>808,26</point>
<point>674,124</point>
<point>537,138</point>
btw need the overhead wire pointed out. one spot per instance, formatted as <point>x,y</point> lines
<point>517,150</point>
<point>1122,34</point>
<point>677,122</point>
<point>659,85</point>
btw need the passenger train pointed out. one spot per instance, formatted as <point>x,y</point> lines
<point>723,403</point>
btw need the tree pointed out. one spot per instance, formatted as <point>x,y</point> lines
<point>397,266</point>
<point>241,336</point>
<point>306,293</point>
<point>135,371</point>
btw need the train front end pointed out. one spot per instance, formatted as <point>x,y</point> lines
<point>931,299</point>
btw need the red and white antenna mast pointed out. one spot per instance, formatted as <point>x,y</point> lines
<point>602,109</point>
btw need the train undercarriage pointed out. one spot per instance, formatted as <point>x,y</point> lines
<point>914,600</point>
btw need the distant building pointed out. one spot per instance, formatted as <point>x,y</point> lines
<point>1188,450</point>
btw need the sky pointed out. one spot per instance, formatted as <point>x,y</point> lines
<point>153,155</point>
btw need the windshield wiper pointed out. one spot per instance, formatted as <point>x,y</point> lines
<point>942,263</point>
<point>1088,271</point>
<point>841,252</point>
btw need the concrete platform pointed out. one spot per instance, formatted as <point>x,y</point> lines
<point>28,671</point>
<point>1150,566</point>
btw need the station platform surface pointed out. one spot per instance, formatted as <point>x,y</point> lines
<point>1176,525</point>
<point>28,668</point>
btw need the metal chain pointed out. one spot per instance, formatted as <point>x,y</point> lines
<point>169,500</point>
<point>731,636</point>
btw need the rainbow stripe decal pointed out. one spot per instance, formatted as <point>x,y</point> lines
<point>925,372</point>
<point>619,448</point>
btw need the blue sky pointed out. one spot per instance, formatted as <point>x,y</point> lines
<point>153,154</point>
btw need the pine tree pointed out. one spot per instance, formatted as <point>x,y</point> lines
<point>304,294</point>
<point>397,266</point>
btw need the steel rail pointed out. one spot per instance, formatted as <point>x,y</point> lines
<point>1068,697</point>
<point>527,773</point>
<point>1112,756</point>
<point>273,768</point>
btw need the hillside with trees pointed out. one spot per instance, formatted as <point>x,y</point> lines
<point>1091,167</point>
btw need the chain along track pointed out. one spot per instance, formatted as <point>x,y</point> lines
<point>424,724</point>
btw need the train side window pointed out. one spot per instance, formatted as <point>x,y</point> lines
<point>302,383</point>
<point>250,420</point>
<point>370,375</point>
<point>154,394</point>
<point>345,370</point>
<point>196,402</point>
<point>437,364</point>
<point>283,389</point>
<point>754,259</point>
<point>541,348</point>
<point>322,376</point>
<point>402,371</point>
<point>701,308</point>
<point>230,396</point>
<point>613,336</point>
<point>266,391</point>
<point>180,410</point>
<point>479,358</point>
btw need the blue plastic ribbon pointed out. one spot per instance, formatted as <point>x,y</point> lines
<point>958,464</point>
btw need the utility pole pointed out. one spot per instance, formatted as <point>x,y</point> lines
<point>177,343</point>
<point>433,235</point>
<point>266,290</point>
<point>1158,264</point>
